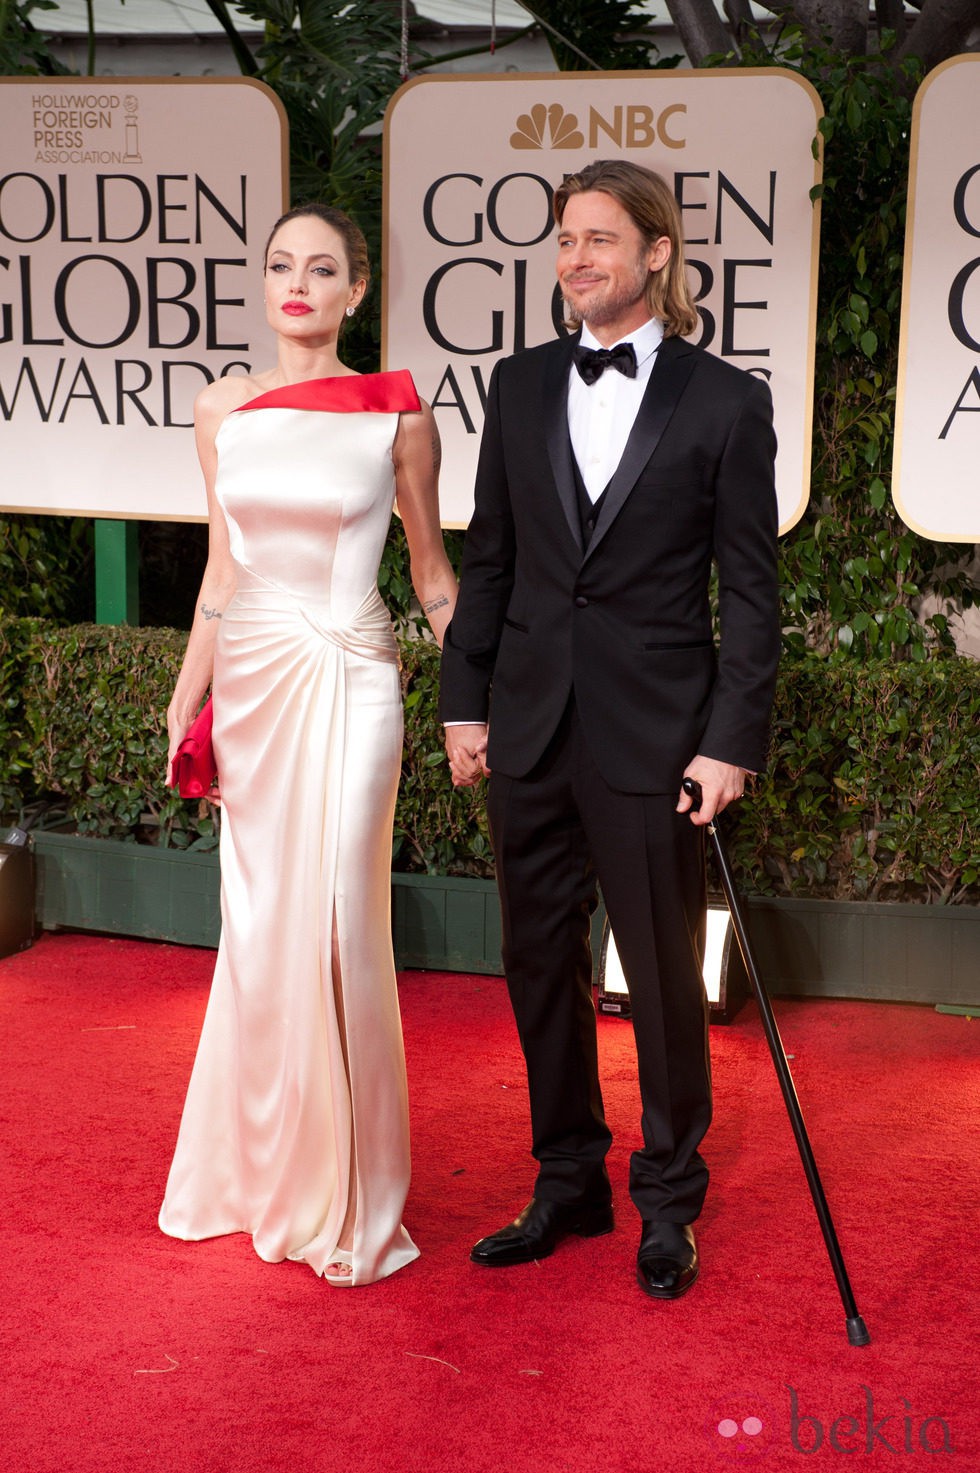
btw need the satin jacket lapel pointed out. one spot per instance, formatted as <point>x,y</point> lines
<point>556,434</point>
<point>674,366</point>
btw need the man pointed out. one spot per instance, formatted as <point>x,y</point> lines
<point>610,477</point>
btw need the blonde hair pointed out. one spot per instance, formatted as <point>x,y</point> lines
<point>650,204</point>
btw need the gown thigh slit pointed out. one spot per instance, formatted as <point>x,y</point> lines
<point>295,1126</point>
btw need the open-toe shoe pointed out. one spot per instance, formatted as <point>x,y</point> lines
<point>342,1258</point>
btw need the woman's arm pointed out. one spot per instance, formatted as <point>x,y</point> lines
<point>417,454</point>
<point>218,583</point>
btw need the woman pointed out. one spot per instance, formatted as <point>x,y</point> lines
<point>295,1128</point>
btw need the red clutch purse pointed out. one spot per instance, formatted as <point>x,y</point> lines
<point>193,769</point>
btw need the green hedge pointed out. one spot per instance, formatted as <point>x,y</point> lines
<point>93,703</point>
<point>438,830</point>
<point>872,791</point>
<point>15,764</point>
<point>82,720</point>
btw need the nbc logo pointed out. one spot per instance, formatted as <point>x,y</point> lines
<point>630,125</point>
<point>562,128</point>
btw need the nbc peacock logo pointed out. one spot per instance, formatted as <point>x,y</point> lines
<point>547,127</point>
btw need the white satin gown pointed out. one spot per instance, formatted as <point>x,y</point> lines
<point>295,1127</point>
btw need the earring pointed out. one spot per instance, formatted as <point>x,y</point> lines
<point>350,311</point>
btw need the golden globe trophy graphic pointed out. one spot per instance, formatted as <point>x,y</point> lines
<point>131,109</point>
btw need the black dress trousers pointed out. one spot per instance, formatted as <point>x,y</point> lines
<point>557,833</point>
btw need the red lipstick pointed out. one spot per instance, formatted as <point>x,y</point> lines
<point>296,309</point>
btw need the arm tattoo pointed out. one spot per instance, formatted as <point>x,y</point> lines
<point>210,613</point>
<point>436,448</point>
<point>435,603</point>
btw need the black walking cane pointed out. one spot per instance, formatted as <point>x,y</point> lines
<point>857,1332</point>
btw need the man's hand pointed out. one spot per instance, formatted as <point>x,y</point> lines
<point>466,747</point>
<point>720,784</point>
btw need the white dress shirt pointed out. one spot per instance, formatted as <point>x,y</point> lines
<point>601,415</point>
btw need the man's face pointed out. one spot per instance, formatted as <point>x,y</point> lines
<point>604,265</point>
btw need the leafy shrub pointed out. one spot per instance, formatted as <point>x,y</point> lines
<point>16,781</point>
<point>854,577</point>
<point>94,702</point>
<point>438,829</point>
<point>872,791</point>
<point>46,566</point>
<point>82,718</point>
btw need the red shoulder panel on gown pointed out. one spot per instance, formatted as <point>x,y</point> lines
<point>380,393</point>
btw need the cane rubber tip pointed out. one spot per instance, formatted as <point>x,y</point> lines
<point>857,1331</point>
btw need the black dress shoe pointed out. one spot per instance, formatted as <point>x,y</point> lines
<point>667,1263</point>
<point>539,1229</point>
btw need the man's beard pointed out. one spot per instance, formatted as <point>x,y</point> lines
<point>609,308</point>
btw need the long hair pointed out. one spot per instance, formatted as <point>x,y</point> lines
<point>355,246</point>
<point>651,206</point>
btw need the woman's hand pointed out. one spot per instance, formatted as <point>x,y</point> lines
<point>177,729</point>
<point>466,747</point>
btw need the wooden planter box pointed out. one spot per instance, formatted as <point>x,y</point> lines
<point>85,884</point>
<point>447,923</point>
<point>810,948</point>
<point>452,924</point>
<point>127,889</point>
<point>902,953</point>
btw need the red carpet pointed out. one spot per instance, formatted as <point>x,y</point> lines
<point>125,1352</point>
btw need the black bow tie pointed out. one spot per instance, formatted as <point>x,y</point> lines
<point>592,362</point>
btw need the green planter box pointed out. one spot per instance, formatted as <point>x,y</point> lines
<point>449,924</point>
<point>900,953</point>
<point>127,889</point>
<point>808,948</point>
<point>173,895</point>
<point>453,925</point>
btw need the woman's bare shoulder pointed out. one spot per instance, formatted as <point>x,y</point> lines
<point>417,422</point>
<point>223,396</point>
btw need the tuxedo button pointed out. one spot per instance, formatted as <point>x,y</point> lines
<point>581,602</point>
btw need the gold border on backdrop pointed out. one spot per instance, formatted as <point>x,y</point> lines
<point>933,366</point>
<point>68,84</point>
<point>398,298</point>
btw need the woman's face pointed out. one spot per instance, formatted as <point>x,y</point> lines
<point>307,281</point>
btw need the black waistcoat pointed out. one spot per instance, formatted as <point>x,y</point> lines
<point>588,510</point>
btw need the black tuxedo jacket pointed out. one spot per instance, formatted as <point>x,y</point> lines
<point>625,623</point>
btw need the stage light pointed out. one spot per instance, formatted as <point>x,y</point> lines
<point>725,979</point>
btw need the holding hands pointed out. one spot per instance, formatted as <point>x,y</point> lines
<point>721,782</point>
<point>466,747</point>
